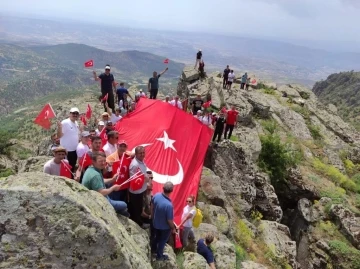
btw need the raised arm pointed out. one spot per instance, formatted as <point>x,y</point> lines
<point>108,110</point>
<point>59,129</point>
<point>95,76</point>
<point>163,72</point>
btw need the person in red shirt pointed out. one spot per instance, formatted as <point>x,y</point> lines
<point>230,121</point>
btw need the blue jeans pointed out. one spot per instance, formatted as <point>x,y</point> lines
<point>119,195</point>
<point>119,206</point>
<point>161,238</point>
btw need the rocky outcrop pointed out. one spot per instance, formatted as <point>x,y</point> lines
<point>53,222</point>
<point>349,223</point>
<point>170,263</point>
<point>32,164</point>
<point>252,265</point>
<point>278,236</point>
<point>215,215</point>
<point>194,261</point>
<point>211,188</point>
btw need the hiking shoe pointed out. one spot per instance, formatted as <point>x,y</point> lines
<point>145,226</point>
<point>163,258</point>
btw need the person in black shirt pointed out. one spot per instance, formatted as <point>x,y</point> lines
<point>196,104</point>
<point>203,248</point>
<point>122,94</point>
<point>107,86</point>
<point>225,75</point>
<point>219,127</point>
<point>153,85</point>
<point>198,58</point>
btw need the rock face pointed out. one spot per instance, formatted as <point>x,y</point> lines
<point>348,222</point>
<point>170,263</point>
<point>194,261</point>
<point>32,164</point>
<point>52,222</point>
<point>252,265</point>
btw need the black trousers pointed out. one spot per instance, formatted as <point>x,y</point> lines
<point>153,93</point>
<point>136,202</point>
<point>110,101</point>
<point>228,128</point>
<point>225,81</point>
<point>72,159</point>
<point>217,134</point>
<point>242,85</point>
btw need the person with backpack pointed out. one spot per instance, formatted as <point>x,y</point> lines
<point>187,217</point>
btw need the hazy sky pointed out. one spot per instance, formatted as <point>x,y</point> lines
<point>335,23</point>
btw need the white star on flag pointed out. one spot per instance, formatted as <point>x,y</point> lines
<point>168,143</point>
<point>122,176</point>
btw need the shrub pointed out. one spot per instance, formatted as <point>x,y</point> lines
<point>269,91</point>
<point>243,235</point>
<point>5,142</point>
<point>314,131</point>
<point>6,172</point>
<point>345,253</point>
<point>240,255</point>
<point>304,95</point>
<point>269,125</point>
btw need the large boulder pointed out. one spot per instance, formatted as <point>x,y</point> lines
<point>211,188</point>
<point>170,263</point>
<point>190,74</point>
<point>217,216</point>
<point>348,223</point>
<point>53,222</point>
<point>289,91</point>
<point>295,122</point>
<point>194,261</point>
<point>277,237</point>
<point>252,265</point>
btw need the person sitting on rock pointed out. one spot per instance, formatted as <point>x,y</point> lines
<point>202,69</point>
<point>225,76</point>
<point>187,217</point>
<point>203,248</point>
<point>197,104</point>
<point>93,180</point>
<point>231,120</point>
<point>243,81</point>
<point>231,78</point>
<point>219,127</point>
<point>142,94</point>
<point>163,220</point>
<point>52,167</point>
<point>111,146</point>
<point>176,103</point>
<point>198,58</point>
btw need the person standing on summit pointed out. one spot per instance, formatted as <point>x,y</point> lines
<point>107,86</point>
<point>198,58</point>
<point>153,85</point>
<point>225,76</point>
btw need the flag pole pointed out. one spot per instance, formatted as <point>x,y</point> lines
<point>67,167</point>
<point>132,177</point>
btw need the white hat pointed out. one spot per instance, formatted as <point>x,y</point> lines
<point>213,113</point>
<point>85,134</point>
<point>141,90</point>
<point>101,123</point>
<point>199,111</point>
<point>107,67</point>
<point>199,49</point>
<point>74,109</point>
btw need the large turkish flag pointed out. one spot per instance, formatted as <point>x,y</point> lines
<point>175,146</point>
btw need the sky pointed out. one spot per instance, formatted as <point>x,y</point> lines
<point>331,24</point>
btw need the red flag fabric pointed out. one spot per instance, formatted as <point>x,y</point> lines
<point>177,241</point>
<point>185,104</point>
<point>166,61</point>
<point>104,99</point>
<point>83,120</point>
<point>253,81</point>
<point>137,182</point>
<point>175,146</point>
<point>43,119</point>
<point>65,169</point>
<point>123,171</point>
<point>88,111</point>
<point>85,161</point>
<point>103,137</point>
<point>207,104</point>
<point>89,63</point>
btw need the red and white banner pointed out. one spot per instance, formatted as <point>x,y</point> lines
<point>175,146</point>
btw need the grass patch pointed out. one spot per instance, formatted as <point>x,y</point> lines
<point>241,255</point>
<point>180,258</point>
<point>346,255</point>
<point>4,173</point>
<point>234,138</point>
<point>269,91</point>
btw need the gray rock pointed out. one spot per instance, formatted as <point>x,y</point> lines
<point>171,263</point>
<point>57,223</point>
<point>33,164</point>
<point>250,138</point>
<point>217,216</point>
<point>348,222</point>
<point>252,265</point>
<point>289,90</point>
<point>278,235</point>
<point>210,186</point>
<point>194,261</point>
<point>190,74</point>
<point>296,123</point>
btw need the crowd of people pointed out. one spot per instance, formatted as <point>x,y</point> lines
<point>110,168</point>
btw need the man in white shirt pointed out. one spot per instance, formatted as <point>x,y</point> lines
<point>142,94</point>
<point>52,167</point>
<point>176,103</point>
<point>101,126</point>
<point>68,132</point>
<point>111,146</point>
<point>83,147</point>
<point>231,78</point>
<point>206,119</point>
<point>115,117</point>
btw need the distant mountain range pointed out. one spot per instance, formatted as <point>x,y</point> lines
<point>27,73</point>
<point>342,90</point>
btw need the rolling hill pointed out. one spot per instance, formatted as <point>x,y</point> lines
<point>31,72</point>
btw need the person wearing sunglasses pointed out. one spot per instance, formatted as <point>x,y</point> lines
<point>68,131</point>
<point>111,145</point>
<point>187,217</point>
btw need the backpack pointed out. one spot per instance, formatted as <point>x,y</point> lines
<point>197,220</point>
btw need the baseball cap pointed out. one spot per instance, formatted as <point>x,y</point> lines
<point>74,109</point>
<point>122,142</point>
<point>213,113</point>
<point>85,134</point>
<point>58,149</point>
<point>199,111</point>
<point>140,90</point>
<point>199,49</point>
<point>107,67</point>
<point>105,114</point>
<point>101,123</point>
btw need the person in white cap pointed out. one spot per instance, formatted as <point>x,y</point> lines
<point>101,125</point>
<point>176,103</point>
<point>83,147</point>
<point>198,115</point>
<point>198,58</point>
<point>107,85</point>
<point>68,132</point>
<point>142,94</point>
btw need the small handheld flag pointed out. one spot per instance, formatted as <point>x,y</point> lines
<point>89,63</point>
<point>166,61</point>
<point>43,119</point>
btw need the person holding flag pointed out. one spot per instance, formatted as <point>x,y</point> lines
<point>53,166</point>
<point>68,132</point>
<point>153,85</point>
<point>107,85</point>
<point>83,146</point>
<point>93,180</point>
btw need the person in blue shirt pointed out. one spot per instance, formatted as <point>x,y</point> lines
<point>121,95</point>
<point>204,250</point>
<point>162,212</point>
<point>153,85</point>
